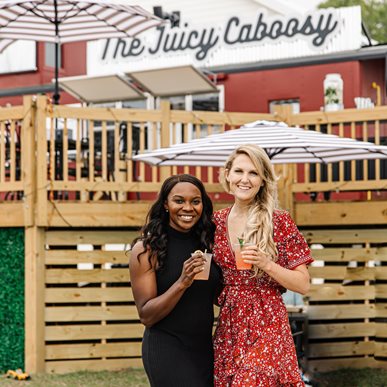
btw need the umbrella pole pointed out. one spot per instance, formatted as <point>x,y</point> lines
<point>56,95</point>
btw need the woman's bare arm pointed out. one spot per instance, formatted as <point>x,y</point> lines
<point>151,307</point>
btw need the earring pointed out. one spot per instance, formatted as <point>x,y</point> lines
<point>166,210</point>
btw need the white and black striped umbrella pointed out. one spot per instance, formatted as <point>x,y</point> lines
<point>282,143</point>
<point>70,21</point>
<point>63,21</point>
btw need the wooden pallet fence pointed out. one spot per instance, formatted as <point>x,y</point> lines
<point>347,300</point>
<point>91,321</point>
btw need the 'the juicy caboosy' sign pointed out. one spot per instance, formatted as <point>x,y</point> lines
<point>236,39</point>
<point>201,41</point>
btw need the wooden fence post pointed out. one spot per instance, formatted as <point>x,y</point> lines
<point>165,134</point>
<point>284,113</point>
<point>28,160</point>
<point>285,196</point>
<point>34,325</point>
<point>41,161</point>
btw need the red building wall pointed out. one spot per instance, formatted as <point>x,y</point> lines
<point>73,63</point>
<point>373,71</point>
<point>253,91</point>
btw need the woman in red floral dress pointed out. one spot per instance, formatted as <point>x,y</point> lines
<point>253,342</point>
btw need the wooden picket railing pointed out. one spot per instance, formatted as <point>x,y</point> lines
<point>83,155</point>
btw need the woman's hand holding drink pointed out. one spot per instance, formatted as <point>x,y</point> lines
<point>238,248</point>
<point>205,273</point>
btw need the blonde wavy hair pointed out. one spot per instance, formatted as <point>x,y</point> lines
<point>259,225</point>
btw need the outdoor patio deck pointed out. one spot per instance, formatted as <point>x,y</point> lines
<point>66,176</point>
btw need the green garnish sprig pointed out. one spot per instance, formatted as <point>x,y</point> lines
<point>241,241</point>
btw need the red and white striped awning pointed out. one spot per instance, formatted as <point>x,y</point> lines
<point>70,20</point>
<point>282,143</point>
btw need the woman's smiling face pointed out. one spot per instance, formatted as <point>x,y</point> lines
<point>244,179</point>
<point>185,206</point>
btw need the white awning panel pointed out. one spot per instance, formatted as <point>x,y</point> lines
<point>172,81</point>
<point>100,89</point>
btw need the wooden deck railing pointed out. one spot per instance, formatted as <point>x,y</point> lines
<point>84,154</point>
<point>365,125</point>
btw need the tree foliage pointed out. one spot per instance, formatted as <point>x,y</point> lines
<point>374,15</point>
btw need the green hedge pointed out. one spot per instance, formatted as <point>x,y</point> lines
<point>12,299</point>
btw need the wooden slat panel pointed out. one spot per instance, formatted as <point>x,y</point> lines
<point>98,214</point>
<point>381,349</point>
<point>90,313</point>
<point>97,186</point>
<point>325,331</point>
<point>104,155</point>
<point>343,273</point>
<point>60,367</point>
<point>10,186</point>
<point>108,114</point>
<point>100,185</point>
<point>339,186</point>
<point>347,115</point>
<point>217,118</point>
<point>65,146</point>
<point>73,238</point>
<point>129,150</point>
<point>381,310</point>
<point>381,291</point>
<point>350,254</point>
<point>78,156</point>
<point>341,213</point>
<point>91,153</point>
<point>332,292</point>
<point>346,236</point>
<point>66,295</point>
<point>11,113</point>
<point>381,330</point>
<point>63,276</point>
<point>381,272</point>
<point>79,351</point>
<point>90,332</point>
<point>332,312</point>
<point>341,349</point>
<point>12,152</point>
<point>71,257</point>
<point>11,214</point>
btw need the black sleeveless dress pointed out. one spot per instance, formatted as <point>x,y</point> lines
<point>177,351</point>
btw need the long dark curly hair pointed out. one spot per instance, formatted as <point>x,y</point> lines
<point>154,232</point>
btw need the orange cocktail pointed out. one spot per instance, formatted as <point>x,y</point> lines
<point>238,248</point>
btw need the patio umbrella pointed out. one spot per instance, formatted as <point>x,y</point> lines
<point>63,21</point>
<point>282,143</point>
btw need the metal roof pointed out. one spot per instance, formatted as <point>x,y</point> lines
<point>364,53</point>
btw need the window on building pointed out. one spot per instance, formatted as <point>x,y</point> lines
<point>199,102</point>
<point>49,55</point>
<point>294,103</point>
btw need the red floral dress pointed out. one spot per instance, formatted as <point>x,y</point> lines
<point>253,342</point>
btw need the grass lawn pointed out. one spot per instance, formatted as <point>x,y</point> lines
<point>350,377</point>
<point>125,378</point>
<point>365,377</point>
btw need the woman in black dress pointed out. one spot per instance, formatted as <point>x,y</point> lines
<point>176,310</point>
